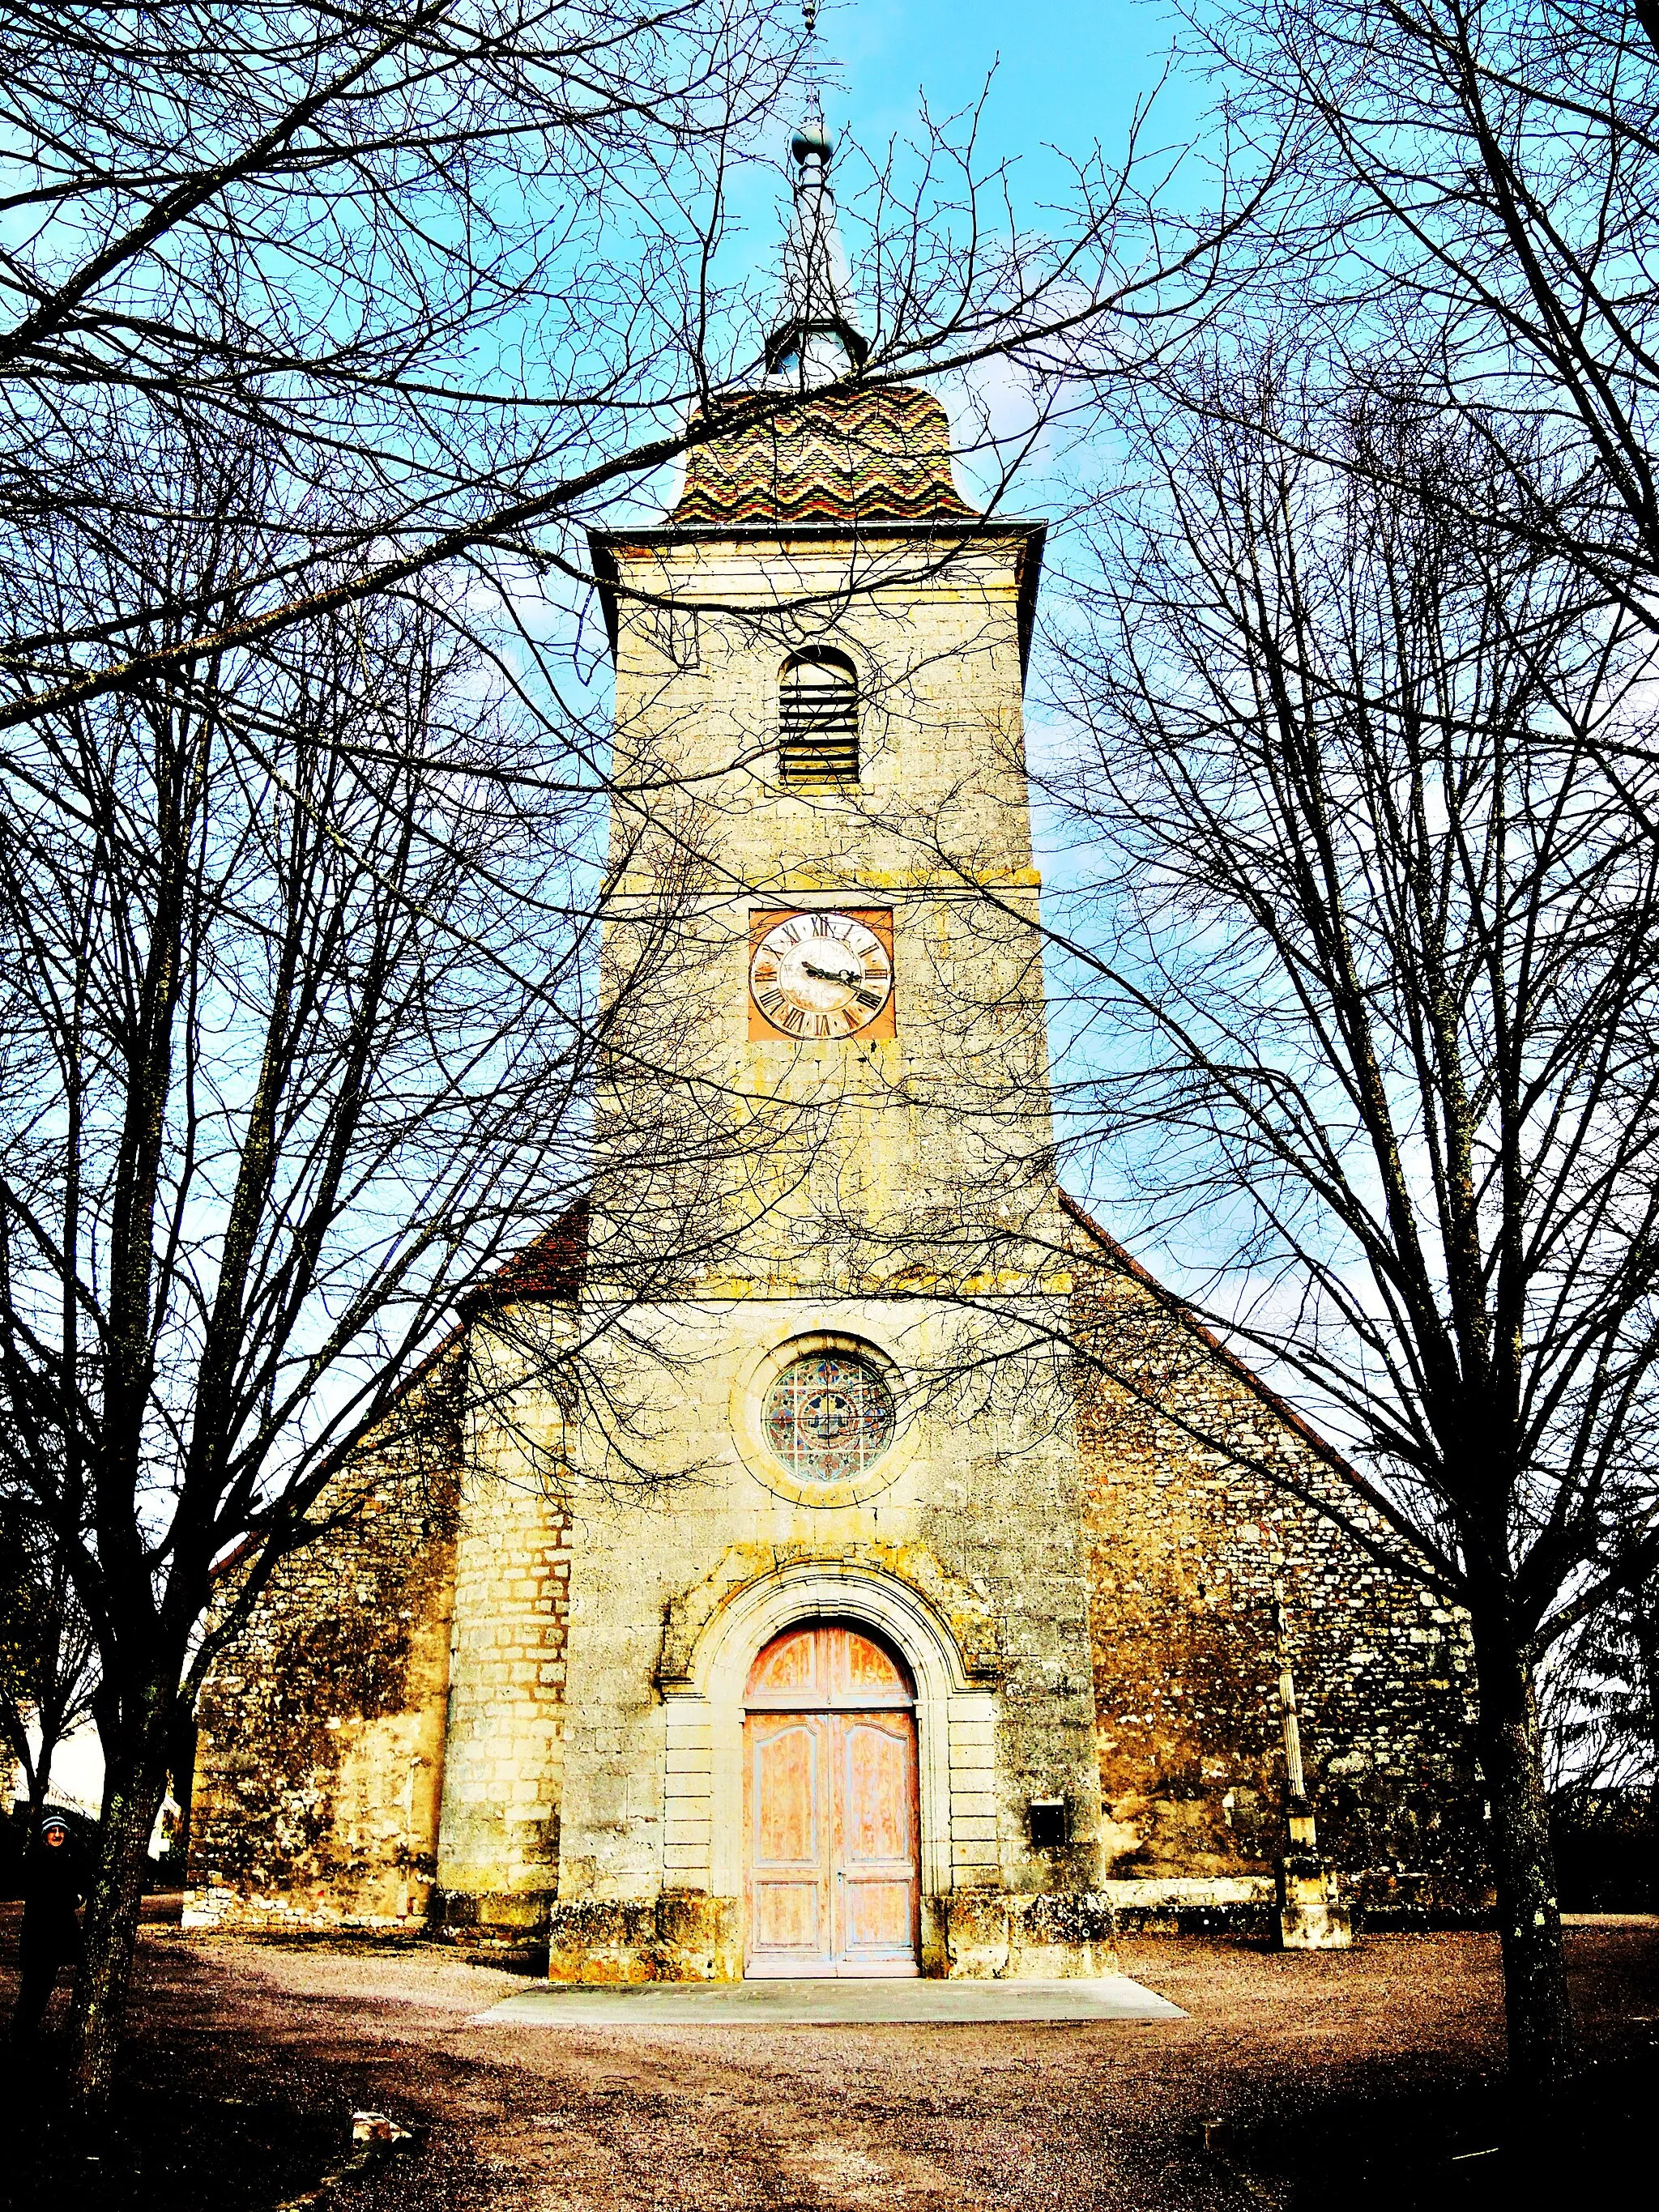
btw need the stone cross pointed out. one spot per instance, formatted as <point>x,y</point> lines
<point>1310,1917</point>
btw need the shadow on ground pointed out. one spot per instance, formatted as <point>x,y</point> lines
<point>1350,2082</point>
<point>1453,2149</point>
<point>193,2123</point>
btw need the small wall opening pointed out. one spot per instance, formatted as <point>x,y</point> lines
<point>818,720</point>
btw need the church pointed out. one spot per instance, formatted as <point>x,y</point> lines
<point>839,1556</point>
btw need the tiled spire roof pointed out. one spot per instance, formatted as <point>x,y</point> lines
<point>880,455</point>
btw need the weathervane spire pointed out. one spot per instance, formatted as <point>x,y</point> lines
<point>816,336</point>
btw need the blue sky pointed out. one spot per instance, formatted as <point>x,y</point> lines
<point>1062,76</point>
<point>1067,73</point>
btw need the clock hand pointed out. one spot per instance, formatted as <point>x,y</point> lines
<point>830,974</point>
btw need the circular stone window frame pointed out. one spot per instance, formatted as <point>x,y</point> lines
<point>749,1395</point>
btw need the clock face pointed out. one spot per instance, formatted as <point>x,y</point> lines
<point>820,976</point>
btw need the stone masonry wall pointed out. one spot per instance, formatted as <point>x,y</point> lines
<point>729,1160</point>
<point>1185,1547</point>
<point>320,1754</point>
<point>498,1864</point>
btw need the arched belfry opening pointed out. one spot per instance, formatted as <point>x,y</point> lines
<point>819,719</point>
<point>831,1830</point>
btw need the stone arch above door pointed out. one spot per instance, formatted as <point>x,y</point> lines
<point>899,1588</point>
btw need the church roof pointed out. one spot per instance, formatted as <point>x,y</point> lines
<point>550,1269</point>
<point>1123,1263</point>
<point>853,456</point>
<point>850,453</point>
<point>854,459</point>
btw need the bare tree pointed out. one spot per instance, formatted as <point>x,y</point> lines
<point>464,266</point>
<point>326,336</point>
<point>1469,185</point>
<point>385,243</point>
<point>1370,941</point>
<point>48,1655</point>
<point>1601,1706</point>
<point>297,1034</point>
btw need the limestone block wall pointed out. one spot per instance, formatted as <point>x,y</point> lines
<point>1185,1548</point>
<point>932,623</point>
<point>498,1862</point>
<point>321,1750</point>
<point>965,1555</point>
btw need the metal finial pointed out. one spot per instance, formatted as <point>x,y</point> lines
<point>813,141</point>
<point>809,10</point>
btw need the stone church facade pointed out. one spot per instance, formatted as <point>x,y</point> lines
<point>835,1555</point>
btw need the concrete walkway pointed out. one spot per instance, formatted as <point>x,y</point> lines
<point>828,2003</point>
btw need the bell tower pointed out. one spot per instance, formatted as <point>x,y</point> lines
<point>827,1030</point>
<point>825,1286</point>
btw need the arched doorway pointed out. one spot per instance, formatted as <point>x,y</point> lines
<point>830,1807</point>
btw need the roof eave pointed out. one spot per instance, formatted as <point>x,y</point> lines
<point>602,545</point>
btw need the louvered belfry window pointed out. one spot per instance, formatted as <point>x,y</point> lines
<point>818,720</point>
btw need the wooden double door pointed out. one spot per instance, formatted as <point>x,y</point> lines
<point>834,1883</point>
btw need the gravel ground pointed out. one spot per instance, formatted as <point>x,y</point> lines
<point>1353,2082</point>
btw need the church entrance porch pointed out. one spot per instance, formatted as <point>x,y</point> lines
<point>834,1791</point>
<point>833,1873</point>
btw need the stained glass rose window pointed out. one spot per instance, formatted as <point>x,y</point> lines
<point>828,1415</point>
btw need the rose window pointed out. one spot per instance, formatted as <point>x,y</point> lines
<point>828,1415</point>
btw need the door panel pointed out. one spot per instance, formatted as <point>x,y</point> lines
<point>877,1803</point>
<point>834,1881</point>
<point>789,1923</point>
<point>862,1674</point>
<point>788,1813</point>
<point>878,1925</point>
<point>787,1670</point>
<point>826,1668</point>
<point>789,1885</point>
<point>877,1816</point>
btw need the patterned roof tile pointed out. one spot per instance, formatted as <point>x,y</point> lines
<point>881,455</point>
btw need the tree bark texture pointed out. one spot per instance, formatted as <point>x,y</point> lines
<point>1537,2009</point>
<point>132,1796</point>
<point>1646,1611</point>
<point>39,1782</point>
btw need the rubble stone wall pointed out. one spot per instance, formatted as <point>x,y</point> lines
<point>1192,1473</point>
<point>319,1764</point>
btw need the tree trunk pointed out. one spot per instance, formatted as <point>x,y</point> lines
<point>132,1793</point>
<point>181,1777</point>
<point>1535,2002</point>
<point>1646,1612</point>
<point>39,1781</point>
